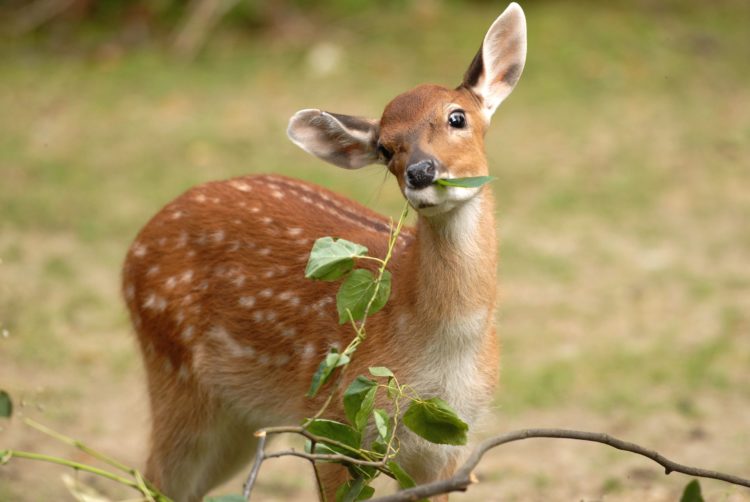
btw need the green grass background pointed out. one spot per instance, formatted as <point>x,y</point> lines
<point>623,165</point>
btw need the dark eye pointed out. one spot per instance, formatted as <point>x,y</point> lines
<point>457,119</point>
<point>386,153</point>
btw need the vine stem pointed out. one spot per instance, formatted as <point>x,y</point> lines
<point>8,454</point>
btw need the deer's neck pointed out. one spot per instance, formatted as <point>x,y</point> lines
<point>446,328</point>
<point>454,262</point>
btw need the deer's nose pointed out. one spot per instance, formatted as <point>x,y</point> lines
<point>420,174</point>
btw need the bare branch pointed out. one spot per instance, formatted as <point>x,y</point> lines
<point>464,477</point>
<point>259,457</point>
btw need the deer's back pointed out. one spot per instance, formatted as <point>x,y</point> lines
<point>215,281</point>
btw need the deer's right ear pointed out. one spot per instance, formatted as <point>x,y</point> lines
<point>343,140</point>
<point>497,66</point>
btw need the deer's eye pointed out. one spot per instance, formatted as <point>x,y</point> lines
<point>457,119</point>
<point>385,153</point>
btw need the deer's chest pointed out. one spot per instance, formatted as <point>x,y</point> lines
<point>450,364</point>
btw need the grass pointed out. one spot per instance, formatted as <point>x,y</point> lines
<point>622,163</point>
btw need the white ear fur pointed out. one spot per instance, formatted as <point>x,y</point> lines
<point>498,65</point>
<point>342,140</point>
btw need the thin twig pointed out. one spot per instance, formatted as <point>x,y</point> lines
<point>325,457</point>
<point>259,457</point>
<point>464,477</point>
<point>80,445</point>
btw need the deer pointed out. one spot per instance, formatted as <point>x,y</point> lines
<point>231,331</point>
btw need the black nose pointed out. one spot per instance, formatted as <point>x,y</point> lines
<point>420,174</point>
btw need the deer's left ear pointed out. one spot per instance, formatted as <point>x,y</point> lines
<point>497,66</point>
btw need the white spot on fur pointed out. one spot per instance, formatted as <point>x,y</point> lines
<point>264,359</point>
<point>218,236</point>
<point>186,276</point>
<point>220,334</point>
<point>162,241</point>
<point>288,332</point>
<point>258,316</point>
<point>247,301</point>
<point>176,215</point>
<point>277,194</point>
<point>183,373</point>
<point>171,282</point>
<point>152,270</point>
<point>179,317</point>
<point>294,232</point>
<point>240,185</point>
<point>239,280</point>
<point>129,291</point>
<point>264,251</point>
<point>155,302</point>
<point>266,293</point>
<point>182,240</point>
<point>199,197</point>
<point>234,246</point>
<point>139,250</point>
<point>271,315</point>
<point>267,220</point>
<point>308,352</point>
<point>268,274</point>
<point>187,333</point>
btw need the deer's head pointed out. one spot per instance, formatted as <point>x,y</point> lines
<point>429,132</point>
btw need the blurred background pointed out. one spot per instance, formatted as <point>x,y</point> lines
<point>623,165</point>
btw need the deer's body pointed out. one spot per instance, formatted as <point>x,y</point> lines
<point>231,331</point>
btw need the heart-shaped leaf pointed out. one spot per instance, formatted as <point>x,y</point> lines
<point>330,259</point>
<point>356,291</point>
<point>436,421</point>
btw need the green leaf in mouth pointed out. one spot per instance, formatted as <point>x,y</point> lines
<point>472,182</point>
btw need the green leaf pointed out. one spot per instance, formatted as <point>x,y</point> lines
<point>226,498</point>
<point>393,391</point>
<point>325,369</point>
<point>381,423</point>
<point>473,182</point>
<point>381,371</point>
<point>336,431</point>
<point>356,291</point>
<point>404,480</point>
<point>330,259</point>
<point>692,492</point>
<point>436,421</point>
<point>359,399</point>
<point>6,405</point>
<point>354,489</point>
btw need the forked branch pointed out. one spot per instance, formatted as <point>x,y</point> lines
<point>464,476</point>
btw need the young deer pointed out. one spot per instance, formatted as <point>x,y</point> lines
<point>231,331</point>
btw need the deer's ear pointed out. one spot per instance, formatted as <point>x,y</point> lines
<point>497,66</point>
<point>343,140</point>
